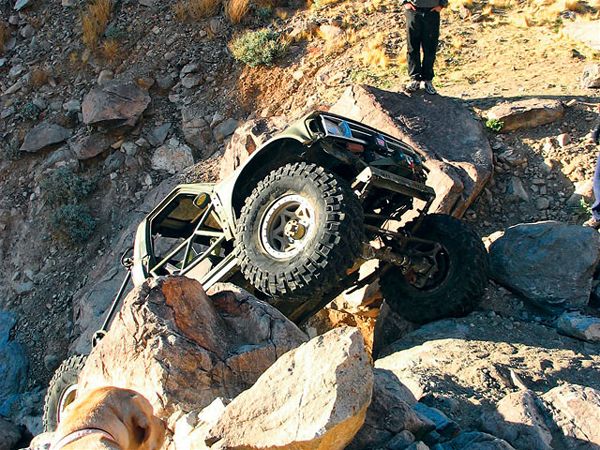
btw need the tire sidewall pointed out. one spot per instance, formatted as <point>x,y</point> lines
<point>65,377</point>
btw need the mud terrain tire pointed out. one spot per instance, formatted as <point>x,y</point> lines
<point>461,287</point>
<point>333,244</point>
<point>63,380</point>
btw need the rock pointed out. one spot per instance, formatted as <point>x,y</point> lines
<point>389,328</point>
<point>165,82</point>
<point>563,140</point>
<point>20,4</point>
<point>390,413</point>
<point>172,157</point>
<point>13,364</point>
<point>468,362</point>
<point>105,76</point>
<point>586,32</point>
<point>191,430</point>
<point>225,129</point>
<point>191,80</point>
<point>27,32</point>
<point>181,349</point>
<point>115,102</point>
<point>10,435</point>
<point>516,190</point>
<point>86,146</point>
<point>195,128</point>
<point>579,326</point>
<point>542,203</point>
<point>129,148</point>
<point>315,396</point>
<point>474,440</point>
<point>520,421</point>
<point>549,263</point>
<point>575,411</point>
<point>246,139</point>
<point>444,426</point>
<point>72,106</point>
<point>418,446</point>
<point>159,134</point>
<point>44,135</point>
<point>401,441</point>
<point>459,157</point>
<point>590,78</point>
<point>526,113</point>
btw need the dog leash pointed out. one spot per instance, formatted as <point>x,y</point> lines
<point>76,435</point>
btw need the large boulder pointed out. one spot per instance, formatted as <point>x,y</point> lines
<point>13,364</point>
<point>579,326</point>
<point>472,363</point>
<point>44,135</point>
<point>520,421</point>
<point>9,434</point>
<point>459,155</point>
<point>181,349</point>
<point>314,397</point>
<point>584,31</point>
<point>246,139</point>
<point>526,113</point>
<point>86,146</point>
<point>550,263</point>
<point>196,129</point>
<point>575,412</point>
<point>474,440</point>
<point>389,413</point>
<point>590,77</point>
<point>115,102</point>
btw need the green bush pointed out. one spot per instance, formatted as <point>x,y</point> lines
<point>73,223</point>
<point>257,48</point>
<point>494,125</point>
<point>65,187</point>
<point>30,111</point>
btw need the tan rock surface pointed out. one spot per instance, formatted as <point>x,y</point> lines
<point>314,397</point>
<point>181,349</point>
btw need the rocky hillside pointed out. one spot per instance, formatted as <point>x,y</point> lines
<point>104,106</point>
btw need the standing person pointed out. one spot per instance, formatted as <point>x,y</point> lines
<point>422,31</point>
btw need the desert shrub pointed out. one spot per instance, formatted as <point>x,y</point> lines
<point>111,50</point>
<point>73,223</point>
<point>39,77</point>
<point>3,35</point>
<point>494,125</point>
<point>94,20</point>
<point>199,9</point>
<point>256,48</point>
<point>236,10</point>
<point>63,187</point>
<point>30,111</point>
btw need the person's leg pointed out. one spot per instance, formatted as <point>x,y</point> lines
<point>414,29</point>
<point>431,35</point>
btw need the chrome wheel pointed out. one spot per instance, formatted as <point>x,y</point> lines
<point>287,226</point>
<point>66,399</point>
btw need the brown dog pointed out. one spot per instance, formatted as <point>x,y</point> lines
<point>109,418</point>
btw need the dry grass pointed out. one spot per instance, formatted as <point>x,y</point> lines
<point>111,50</point>
<point>94,21</point>
<point>39,77</point>
<point>236,10</point>
<point>574,5</point>
<point>180,11</point>
<point>200,9</point>
<point>3,36</point>
<point>374,53</point>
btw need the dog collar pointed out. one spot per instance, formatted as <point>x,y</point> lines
<point>76,435</point>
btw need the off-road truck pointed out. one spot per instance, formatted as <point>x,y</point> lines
<point>295,222</point>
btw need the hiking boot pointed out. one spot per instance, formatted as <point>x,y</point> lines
<point>428,86</point>
<point>413,86</point>
<point>592,223</point>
